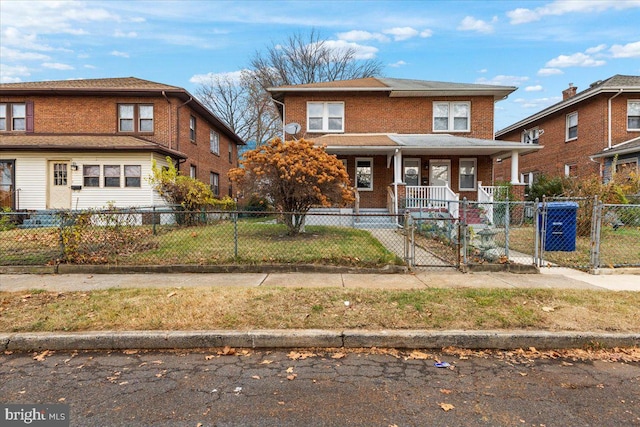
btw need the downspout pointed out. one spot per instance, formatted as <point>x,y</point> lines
<point>609,119</point>
<point>170,121</point>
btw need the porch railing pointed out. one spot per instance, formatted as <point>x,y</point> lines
<point>432,197</point>
<point>485,199</point>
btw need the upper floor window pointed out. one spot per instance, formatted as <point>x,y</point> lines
<point>572,126</point>
<point>230,152</point>
<point>633,115</point>
<point>135,118</point>
<point>325,116</point>
<point>214,142</point>
<point>192,128</point>
<point>13,117</point>
<point>452,116</point>
<point>531,136</point>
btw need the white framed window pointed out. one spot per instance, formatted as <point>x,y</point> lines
<point>633,114</point>
<point>214,142</point>
<point>135,118</point>
<point>192,128</point>
<point>91,175</point>
<point>192,171</point>
<point>325,116</point>
<point>572,126</point>
<point>451,116</point>
<point>214,183</point>
<point>364,174</point>
<point>132,175</point>
<point>111,175</point>
<point>531,136</point>
<point>468,173</point>
<point>570,170</point>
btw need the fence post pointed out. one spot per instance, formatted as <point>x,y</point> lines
<point>465,230</point>
<point>507,221</point>
<point>408,239</point>
<point>596,227</point>
<point>153,219</point>
<point>61,234</point>
<point>536,237</point>
<point>235,234</point>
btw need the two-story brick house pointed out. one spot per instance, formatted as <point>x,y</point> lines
<point>87,143</point>
<point>403,140</point>
<point>581,134</point>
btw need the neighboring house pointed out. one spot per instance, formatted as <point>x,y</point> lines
<point>622,158</point>
<point>404,142</point>
<point>79,144</point>
<point>581,132</point>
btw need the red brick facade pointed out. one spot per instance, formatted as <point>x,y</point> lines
<point>559,155</point>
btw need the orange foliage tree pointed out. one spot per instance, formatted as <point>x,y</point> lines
<point>294,176</point>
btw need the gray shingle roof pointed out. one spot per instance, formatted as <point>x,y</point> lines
<point>627,147</point>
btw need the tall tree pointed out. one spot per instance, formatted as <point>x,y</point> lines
<point>244,105</point>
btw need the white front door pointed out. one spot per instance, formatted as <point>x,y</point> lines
<point>411,171</point>
<point>439,172</point>
<point>59,185</point>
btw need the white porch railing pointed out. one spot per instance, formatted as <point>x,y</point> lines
<point>485,200</point>
<point>432,197</point>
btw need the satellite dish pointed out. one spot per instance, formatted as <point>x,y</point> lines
<point>292,128</point>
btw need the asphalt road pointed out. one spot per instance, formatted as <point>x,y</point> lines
<point>330,388</point>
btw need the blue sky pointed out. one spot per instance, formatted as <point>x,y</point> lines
<point>538,46</point>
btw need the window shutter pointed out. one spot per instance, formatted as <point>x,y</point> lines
<point>29,108</point>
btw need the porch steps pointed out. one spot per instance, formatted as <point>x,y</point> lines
<point>375,219</point>
<point>42,219</point>
<point>474,216</point>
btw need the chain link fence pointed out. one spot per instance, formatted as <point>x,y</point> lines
<point>577,233</point>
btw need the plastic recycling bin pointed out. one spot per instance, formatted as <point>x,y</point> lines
<point>558,226</point>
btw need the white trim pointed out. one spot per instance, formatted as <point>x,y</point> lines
<point>629,101</point>
<point>355,175</point>
<point>433,162</point>
<point>566,127</point>
<point>325,117</point>
<point>475,174</point>
<point>451,117</point>
<point>404,167</point>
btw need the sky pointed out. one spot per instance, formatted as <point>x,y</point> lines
<point>538,46</point>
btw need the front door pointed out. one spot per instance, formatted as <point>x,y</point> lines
<point>59,185</point>
<point>439,172</point>
<point>411,171</point>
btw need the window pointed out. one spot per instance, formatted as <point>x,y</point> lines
<point>570,170</point>
<point>192,171</point>
<point>214,142</point>
<point>230,152</point>
<point>13,117</point>
<point>364,174</point>
<point>468,174</point>
<point>633,115</point>
<point>624,168</point>
<point>214,183</point>
<point>91,175</point>
<point>132,175</point>
<point>325,116</point>
<point>451,116</point>
<point>112,176</point>
<point>572,126</point>
<point>192,128</point>
<point>531,136</point>
<point>135,118</point>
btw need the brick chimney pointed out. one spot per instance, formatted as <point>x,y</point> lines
<point>569,92</point>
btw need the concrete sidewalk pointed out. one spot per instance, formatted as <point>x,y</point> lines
<point>550,278</point>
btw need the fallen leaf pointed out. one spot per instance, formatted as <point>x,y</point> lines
<point>209,357</point>
<point>289,370</point>
<point>548,309</point>
<point>172,294</point>
<point>338,356</point>
<point>295,355</point>
<point>445,391</point>
<point>256,377</point>
<point>446,407</point>
<point>266,362</point>
<point>524,374</point>
<point>130,351</point>
<point>124,383</point>
<point>280,403</point>
<point>227,351</point>
<point>40,357</point>
<point>292,377</point>
<point>62,399</point>
<point>418,355</point>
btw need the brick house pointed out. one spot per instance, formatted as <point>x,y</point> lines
<point>582,133</point>
<point>403,142</point>
<point>86,143</point>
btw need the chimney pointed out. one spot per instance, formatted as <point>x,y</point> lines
<point>569,92</point>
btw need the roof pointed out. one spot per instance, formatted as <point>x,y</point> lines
<point>433,144</point>
<point>611,85</point>
<point>118,86</point>
<point>396,88</point>
<point>627,147</point>
<point>60,142</point>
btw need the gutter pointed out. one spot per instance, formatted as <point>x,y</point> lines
<point>609,119</point>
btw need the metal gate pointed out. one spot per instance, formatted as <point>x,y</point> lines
<point>432,242</point>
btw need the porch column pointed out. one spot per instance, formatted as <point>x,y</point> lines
<point>397,166</point>
<point>515,176</point>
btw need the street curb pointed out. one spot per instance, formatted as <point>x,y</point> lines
<point>297,338</point>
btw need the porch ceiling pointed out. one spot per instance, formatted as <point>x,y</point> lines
<point>421,144</point>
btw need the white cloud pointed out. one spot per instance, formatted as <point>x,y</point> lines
<point>562,7</point>
<point>536,88</point>
<point>13,55</point>
<point>576,60</point>
<point>402,33</point>
<point>398,64</point>
<point>596,49</point>
<point>233,76</point>
<point>360,36</point>
<point>545,72</point>
<point>120,54</point>
<point>484,70</point>
<point>361,51</point>
<point>630,50</point>
<point>469,23</point>
<point>89,66</point>
<point>11,74</point>
<point>502,80</point>
<point>537,103</point>
<point>426,33</point>
<point>57,66</point>
<point>130,34</point>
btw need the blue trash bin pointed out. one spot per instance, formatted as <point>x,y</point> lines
<point>558,225</point>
